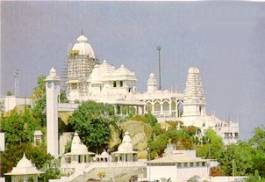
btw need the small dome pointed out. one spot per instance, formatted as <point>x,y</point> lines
<point>52,74</point>
<point>152,80</point>
<point>194,70</point>
<point>24,163</point>
<point>77,146</point>
<point>82,38</point>
<point>96,75</point>
<point>37,132</point>
<point>106,69</point>
<point>126,145</point>
<point>83,47</point>
<point>105,154</point>
<point>123,73</point>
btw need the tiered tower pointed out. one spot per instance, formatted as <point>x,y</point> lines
<point>81,61</point>
<point>194,99</point>
<point>52,92</point>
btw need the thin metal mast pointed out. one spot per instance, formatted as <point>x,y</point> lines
<point>16,75</point>
<point>159,66</point>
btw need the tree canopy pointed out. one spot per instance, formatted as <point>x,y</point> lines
<point>92,122</point>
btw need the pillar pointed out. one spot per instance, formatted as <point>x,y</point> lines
<point>52,92</point>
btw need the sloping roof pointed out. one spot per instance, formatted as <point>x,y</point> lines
<point>24,167</point>
<point>176,159</point>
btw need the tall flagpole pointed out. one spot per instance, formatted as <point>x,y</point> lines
<point>159,66</point>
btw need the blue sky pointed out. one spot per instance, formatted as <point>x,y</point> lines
<point>226,40</point>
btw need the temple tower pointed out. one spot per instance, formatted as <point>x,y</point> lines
<point>81,61</point>
<point>194,99</point>
<point>151,83</point>
<point>52,92</point>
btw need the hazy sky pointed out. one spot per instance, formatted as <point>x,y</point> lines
<point>225,40</point>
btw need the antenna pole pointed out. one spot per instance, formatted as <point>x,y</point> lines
<point>159,66</point>
<point>16,75</point>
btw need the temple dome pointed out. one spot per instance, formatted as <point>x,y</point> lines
<point>105,154</point>
<point>24,167</point>
<point>152,80</point>
<point>106,68</point>
<point>83,47</point>
<point>77,146</point>
<point>95,76</point>
<point>126,145</point>
<point>123,73</point>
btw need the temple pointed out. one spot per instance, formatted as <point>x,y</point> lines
<point>90,79</point>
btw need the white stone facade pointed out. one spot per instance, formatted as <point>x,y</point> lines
<point>107,84</point>
<point>177,165</point>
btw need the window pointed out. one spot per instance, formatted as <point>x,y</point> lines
<point>185,164</point>
<point>130,89</point>
<point>121,83</point>
<point>197,164</point>
<point>191,164</point>
<point>114,84</point>
<point>203,163</point>
<point>179,165</point>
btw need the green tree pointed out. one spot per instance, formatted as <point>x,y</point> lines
<point>39,99</point>
<point>237,159</point>
<point>212,147</point>
<point>19,127</point>
<point>258,144</point>
<point>9,93</point>
<point>63,97</point>
<point>91,120</point>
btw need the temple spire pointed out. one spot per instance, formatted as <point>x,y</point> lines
<point>194,99</point>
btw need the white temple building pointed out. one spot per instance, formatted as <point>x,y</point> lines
<point>24,171</point>
<point>178,166</point>
<point>79,152</point>
<point>88,79</point>
<point>125,151</point>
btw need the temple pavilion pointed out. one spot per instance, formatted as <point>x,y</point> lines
<point>79,152</point>
<point>125,151</point>
<point>25,171</point>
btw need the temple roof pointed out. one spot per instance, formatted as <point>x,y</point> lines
<point>77,147</point>
<point>126,145</point>
<point>83,47</point>
<point>24,167</point>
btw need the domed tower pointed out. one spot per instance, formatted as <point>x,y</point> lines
<point>151,83</point>
<point>194,99</point>
<point>81,61</point>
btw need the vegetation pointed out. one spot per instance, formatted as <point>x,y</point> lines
<point>92,122</point>
<point>39,99</point>
<point>96,123</point>
<point>9,93</point>
<point>19,127</point>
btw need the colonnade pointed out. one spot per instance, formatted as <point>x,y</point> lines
<point>164,107</point>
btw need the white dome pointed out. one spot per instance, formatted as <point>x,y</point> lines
<point>83,47</point>
<point>52,75</point>
<point>24,167</point>
<point>105,154</point>
<point>152,80</point>
<point>126,145</point>
<point>96,75</point>
<point>106,68</point>
<point>77,146</point>
<point>123,73</point>
<point>194,70</point>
